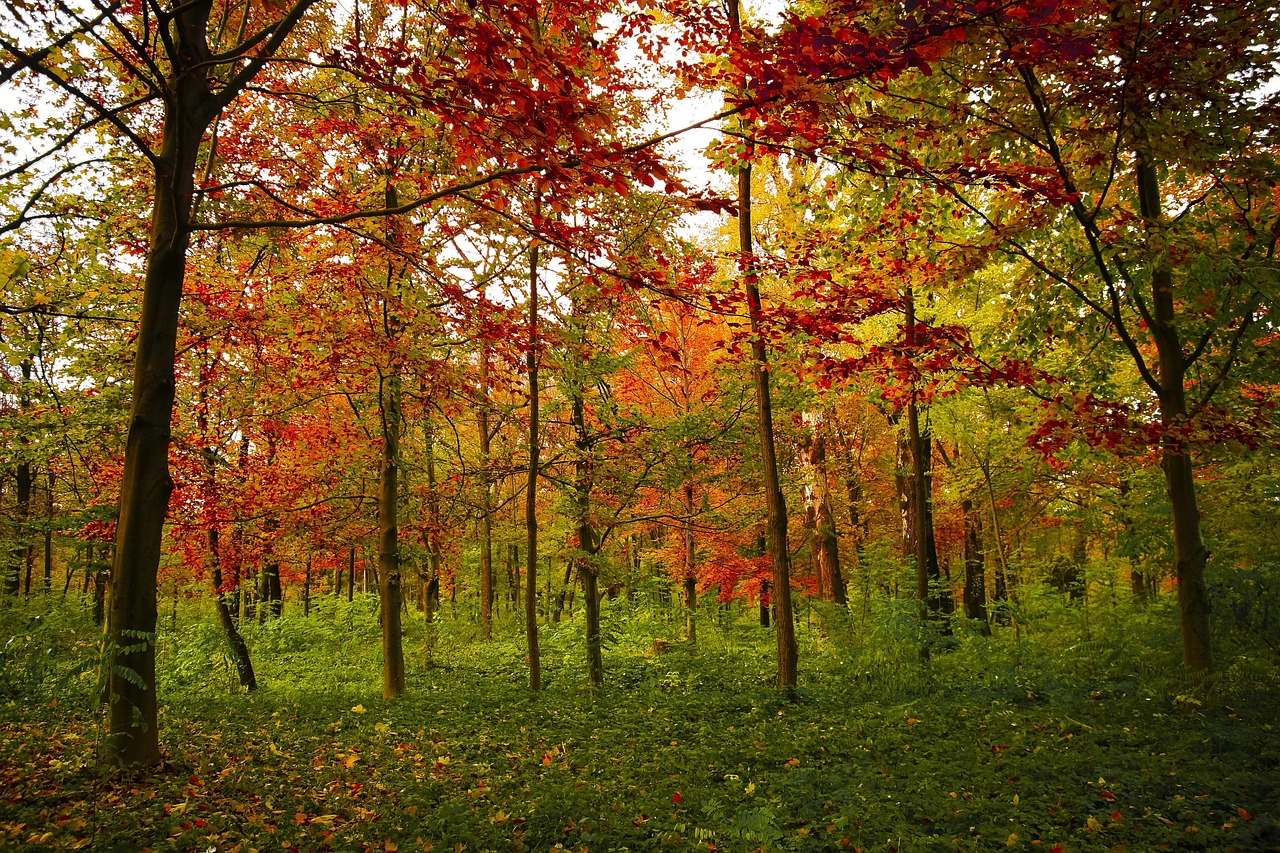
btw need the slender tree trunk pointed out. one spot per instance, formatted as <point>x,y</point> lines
<point>824,542</point>
<point>975,570</point>
<point>213,559</point>
<point>920,444</point>
<point>777,508</point>
<point>904,486</point>
<point>531,493</point>
<point>272,591</point>
<point>690,569</point>
<point>235,642</point>
<point>101,576</point>
<point>1190,554</point>
<point>764,603</point>
<point>1137,580</point>
<point>48,533</point>
<point>1002,564</point>
<point>388,539</point>
<point>433,530</point>
<point>486,508</point>
<point>306,588</point>
<point>351,573</point>
<point>584,476</point>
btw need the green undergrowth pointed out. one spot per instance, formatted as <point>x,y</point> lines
<point>1073,731</point>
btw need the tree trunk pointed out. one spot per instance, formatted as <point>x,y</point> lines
<point>48,534</point>
<point>904,486</point>
<point>1190,555</point>
<point>1137,579</point>
<point>975,570</point>
<point>101,575</point>
<point>272,592</point>
<point>235,642</point>
<point>351,574</point>
<point>145,484</point>
<point>920,447</point>
<point>584,476</point>
<point>213,559</point>
<point>486,508</point>
<point>690,569</point>
<point>776,504</point>
<point>531,492</point>
<point>388,539</point>
<point>21,552</point>
<point>306,588</point>
<point>824,542</point>
<point>433,523</point>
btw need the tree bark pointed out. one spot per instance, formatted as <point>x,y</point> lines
<point>486,508</point>
<point>777,508</point>
<point>1191,557</point>
<point>690,569</point>
<point>48,533</point>
<point>213,560</point>
<point>145,485</point>
<point>531,491</point>
<point>235,642</point>
<point>824,542</point>
<point>393,682</point>
<point>975,570</point>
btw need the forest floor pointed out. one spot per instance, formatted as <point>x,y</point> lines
<point>1056,739</point>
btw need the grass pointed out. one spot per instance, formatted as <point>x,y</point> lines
<point>1060,738</point>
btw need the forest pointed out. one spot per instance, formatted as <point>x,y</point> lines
<point>646,425</point>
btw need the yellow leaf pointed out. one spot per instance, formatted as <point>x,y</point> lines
<point>1012,839</point>
<point>382,728</point>
<point>1093,825</point>
<point>389,846</point>
<point>359,709</point>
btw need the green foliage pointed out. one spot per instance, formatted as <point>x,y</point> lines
<point>1070,732</point>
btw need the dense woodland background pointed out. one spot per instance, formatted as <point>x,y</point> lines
<point>391,346</point>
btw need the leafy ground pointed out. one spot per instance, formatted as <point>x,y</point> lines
<point>1055,739</point>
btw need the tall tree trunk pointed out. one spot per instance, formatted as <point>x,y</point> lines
<point>351,573</point>
<point>145,484</point>
<point>904,487</point>
<point>975,570</point>
<point>777,509</point>
<point>920,444</point>
<point>101,576</point>
<point>213,560</point>
<point>1002,564</point>
<point>824,542</point>
<point>433,523</point>
<point>20,555</point>
<point>1137,579</point>
<point>48,533</point>
<point>584,475</point>
<point>486,508</point>
<point>306,587</point>
<point>272,591</point>
<point>531,492</point>
<point>1190,554</point>
<point>235,642</point>
<point>690,568</point>
<point>388,538</point>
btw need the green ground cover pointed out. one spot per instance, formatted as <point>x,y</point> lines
<point>1053,738</point>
